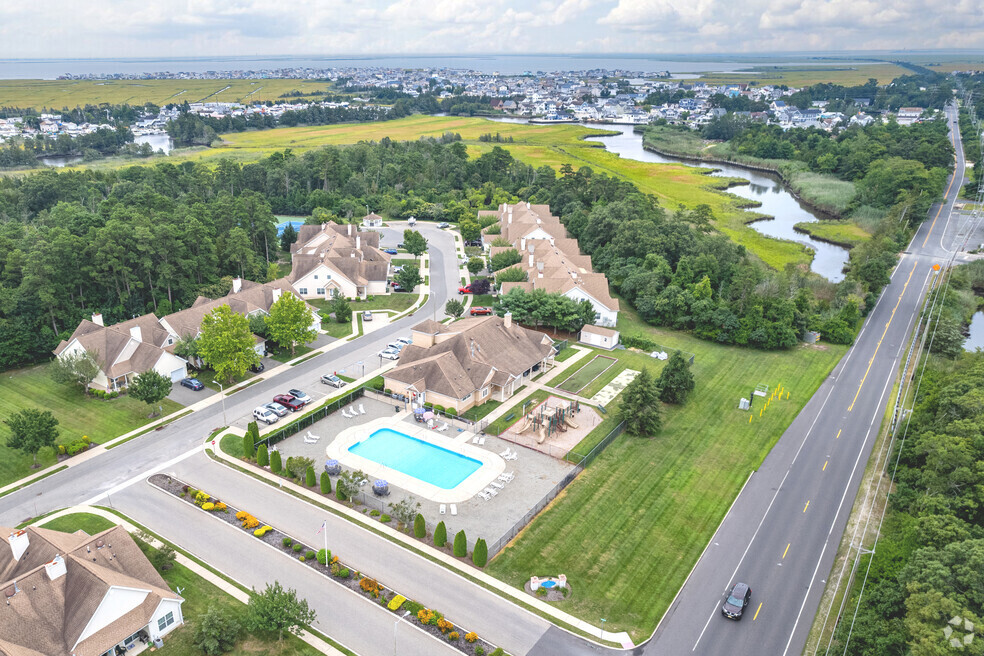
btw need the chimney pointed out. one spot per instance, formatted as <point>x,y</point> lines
<point>19,543</point>
<point>527,205</point>
<point>237,285</point>
<point>531,260</point>
<point>507,320</point>
<point>324,226</point>
<point>522,244</point>
<point>55,568</point>
<point>348,227</point>
<point>358,242</point>
<point>135,333</point>
<point>277,292</point>
<point>97,318</point>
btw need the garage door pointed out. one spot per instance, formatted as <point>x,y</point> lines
<point>177,375</point>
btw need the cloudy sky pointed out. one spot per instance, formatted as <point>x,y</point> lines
<point>182,28</point>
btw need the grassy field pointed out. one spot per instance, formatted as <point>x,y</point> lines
<point>77,416</point>
<point>629,529</point>
<point>846,233</point>
<point>199,596</point>
<point>580,378</point>
<point>799,76</point>
<point>57,94</point>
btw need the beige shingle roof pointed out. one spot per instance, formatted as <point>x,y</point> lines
<point>343,248</point>
<point>48,616</point>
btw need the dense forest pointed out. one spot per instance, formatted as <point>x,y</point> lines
<point>928,564</point>
<point>150,239</point>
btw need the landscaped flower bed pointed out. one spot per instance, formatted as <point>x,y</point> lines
<point>328,564</point>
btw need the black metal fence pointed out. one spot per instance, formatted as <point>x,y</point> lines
<point>309,420</point>
<point>579,464</point>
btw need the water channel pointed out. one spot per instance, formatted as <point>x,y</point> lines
<point>776,201</point>
<point>157,142</point>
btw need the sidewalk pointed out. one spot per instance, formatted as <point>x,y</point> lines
<point>180,558</point>
<point>502,589</point>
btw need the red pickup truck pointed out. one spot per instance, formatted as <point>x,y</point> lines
<point>480,311</point>
<point>291,403</point>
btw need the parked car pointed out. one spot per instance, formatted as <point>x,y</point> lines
<point>265,415</point>
<point>277,409</point>
<point>367,316</point>
<point>333,380</point>
<point>299,395</point>
<point>397,288</point>
<point>474,242</point>
<point>257,368</point>
<point>443,224</point>
<point>480,311</point>
<point>401,245</point>
<point>738,599</point>
<point>390,354</point>
<point>396,346</point>
<point>465,290</point>
<point>405,340</point>
<point>192,384</point>
<point>288,402</point>
<point>391,251</point>
<point>397,269</point>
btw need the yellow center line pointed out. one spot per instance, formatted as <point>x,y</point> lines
<point>885,332</point>
<point>943,203</point>
<point>786,551</point>
<point>806,506</point>
<point>825,465</point>
<point>838,433</point>
<point>757,611</point>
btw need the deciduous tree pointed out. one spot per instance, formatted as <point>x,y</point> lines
<point>414,243</point>
<point>226,343</point>
<point>79,369</point>
<point>150,387</point>
<point>454,308</point>
<point>277,610</point>
<point>409,277</point>
<point>639,407</point>
<point>289,322</point>
<point>31,430</point>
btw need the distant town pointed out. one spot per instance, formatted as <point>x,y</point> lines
<point>591,96</point>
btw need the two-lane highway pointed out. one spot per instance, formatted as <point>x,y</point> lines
<point>782,534</point>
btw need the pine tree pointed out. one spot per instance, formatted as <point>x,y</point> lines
<point>481,554</point>
<point>460,544</point>
<point>676,381</point>
<point>640,407</point>
<point>419,526</point>
<point>262,457</point>
<point>440,535</point>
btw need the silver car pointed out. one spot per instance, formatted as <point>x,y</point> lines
<point>276,409</point>
<point>299,395</point>
<point>390,354</point>
<point>265,415</point>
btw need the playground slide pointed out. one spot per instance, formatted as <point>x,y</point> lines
<point>528,425</point>
<point>541,434</point>
<point>570,422</point>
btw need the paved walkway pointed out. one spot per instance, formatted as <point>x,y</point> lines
<point>181,559</point>
<point>503,591</point>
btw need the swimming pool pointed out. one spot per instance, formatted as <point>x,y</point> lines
<point>429,463</point>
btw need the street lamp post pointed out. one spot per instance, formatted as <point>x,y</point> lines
<point>222,392</point>
<point>395,625</point>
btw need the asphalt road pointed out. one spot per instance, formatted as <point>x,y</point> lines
<point>112,468</point>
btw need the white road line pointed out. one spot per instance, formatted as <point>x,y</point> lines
<point>142,476</point>
<point>840,506</point>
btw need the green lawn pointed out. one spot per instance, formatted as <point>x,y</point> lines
<point>338,330</point>
<point>565,353</point>
<point>199,596</point>
<point>398,301</point>
<point>284,355</point>
<point>77,415</point>
<point>630,528</point>
<point>481,411</point>
<point>207,378</point>
<point>575,380</point>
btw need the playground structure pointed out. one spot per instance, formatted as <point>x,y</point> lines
<point>545,420</point>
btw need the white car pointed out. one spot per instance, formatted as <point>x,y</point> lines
<point>405,340</point>
<point>299,395</point>
<point>395,346</point>
<point>390,354</point>
<point>265,415</point>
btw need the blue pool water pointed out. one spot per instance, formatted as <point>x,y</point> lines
<point>548,584</point>
<point>431,464</point>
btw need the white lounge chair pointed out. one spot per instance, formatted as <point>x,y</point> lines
<point>444,427</point>
<point>491,491</point>
<point>475,440</point>
<point>311,439</point>
<point>511,456</point>
<point>481,441</point>
<point>506,477</point>
<point>497,485</point>
<point>353,412</point>
<point>485,495</point>
<point>454,509</point>
<point>504,453</point>
<point>362,409</point>
<point>346,414</point>
<point>444,509</point>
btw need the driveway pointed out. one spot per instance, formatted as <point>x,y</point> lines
<point>184,396</point>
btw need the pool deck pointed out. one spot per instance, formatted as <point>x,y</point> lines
<point>491,464</point>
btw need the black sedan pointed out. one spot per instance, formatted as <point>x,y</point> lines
<point>192,384</point>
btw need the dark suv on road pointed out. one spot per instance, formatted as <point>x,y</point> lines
<point>737,601</point>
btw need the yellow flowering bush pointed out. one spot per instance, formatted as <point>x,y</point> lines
<point>208,505</point>
<point>444,625</point>
<point>426,616</point>
<point>471,636</point>
<point>396,602</point>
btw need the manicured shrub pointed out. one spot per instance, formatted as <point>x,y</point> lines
<point>385,518</point>
<point>287,542</point>
<point>396,602</point>
<point>479,650</point>
<point>201,498</point>
<point>275,464</point>
<point>541,592</point>
<point>260,532</point>
<point>309,555</point>
<point>498,652</point>
<point>371,587</point>
<point>297,547</point>
<point>85,438</point>
<point>438,409</point>
<point>460,544</point>
<point>471,637</point>
<point>440,535</point>
<point>61,449</point>
<point>444,625</point>
<point>419,526</point>
<point>219,506</point>
<point>301,558</point>
<point>324,556</point>
<point>453,636</point>
<point>374,513</point>
<point>309,477</point>
<point>208,505</point>
<point>325,483</point>
<point>340,494</point>
<point>426,616</point>
<point>262,458</point>
<point>344,573</point>
<point>481,554</point>
<point>248,445</point>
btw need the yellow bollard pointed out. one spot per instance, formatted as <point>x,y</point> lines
<point>787,396</point>
<point>749,418</point>
<point>760,411</point>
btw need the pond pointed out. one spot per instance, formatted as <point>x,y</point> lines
<point>975,333</point>
<point>159,141</point>
<point>776,200</point>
